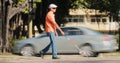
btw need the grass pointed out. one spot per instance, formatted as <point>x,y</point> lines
<point>112,54</point>
<point>6,54</point>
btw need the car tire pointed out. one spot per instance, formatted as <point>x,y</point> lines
<point>87,51</point>
<point>27,51</point>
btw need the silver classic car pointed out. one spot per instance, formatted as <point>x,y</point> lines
<point>86,42</point>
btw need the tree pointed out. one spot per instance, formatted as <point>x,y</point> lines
<point>8,11</point>
<point>4,42</point>
<point>111,6</point>
<point>38,15</point>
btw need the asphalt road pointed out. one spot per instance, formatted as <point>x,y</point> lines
<point>63,59</point>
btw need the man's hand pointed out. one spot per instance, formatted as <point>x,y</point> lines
<point>62,33</point>
<point>56,34</point>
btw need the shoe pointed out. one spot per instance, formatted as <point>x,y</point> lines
<point>55,58</point>
<point>42,55</point>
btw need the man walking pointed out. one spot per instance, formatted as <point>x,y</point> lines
<point>50,27</point>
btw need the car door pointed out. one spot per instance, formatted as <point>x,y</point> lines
<point>41,42</point>
<point>76,36</point>
<point>67,43</point>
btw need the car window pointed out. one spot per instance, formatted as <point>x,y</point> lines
<point>71,31</point>
<point>75,32</point>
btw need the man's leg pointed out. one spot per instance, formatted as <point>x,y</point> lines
<point>53,41</point>
<point>46,48</point>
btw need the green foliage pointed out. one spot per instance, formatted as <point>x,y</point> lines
<point>37,1</point>
<point>11,43</point>
<point>113,6</point>
<point>78,4</point>
<point>117,36</point>
<point>21,1</point>
<point>26,10</point>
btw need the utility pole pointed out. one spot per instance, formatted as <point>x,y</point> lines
<point>30,18</point>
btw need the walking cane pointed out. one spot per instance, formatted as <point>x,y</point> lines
<point>76,46</point>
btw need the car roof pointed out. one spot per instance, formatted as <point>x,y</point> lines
<point>85,30</point>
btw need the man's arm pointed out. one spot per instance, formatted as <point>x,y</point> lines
<point>55,24</point>
<point>59,29</point>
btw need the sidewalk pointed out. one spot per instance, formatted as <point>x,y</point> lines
<point>48,59</point>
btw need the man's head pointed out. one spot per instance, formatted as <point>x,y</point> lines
<point>52,7</point>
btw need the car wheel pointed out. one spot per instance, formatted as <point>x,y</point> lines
<point>87,51</point>
<point>27,51</point>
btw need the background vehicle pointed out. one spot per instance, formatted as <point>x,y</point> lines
<point>90,42</point>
